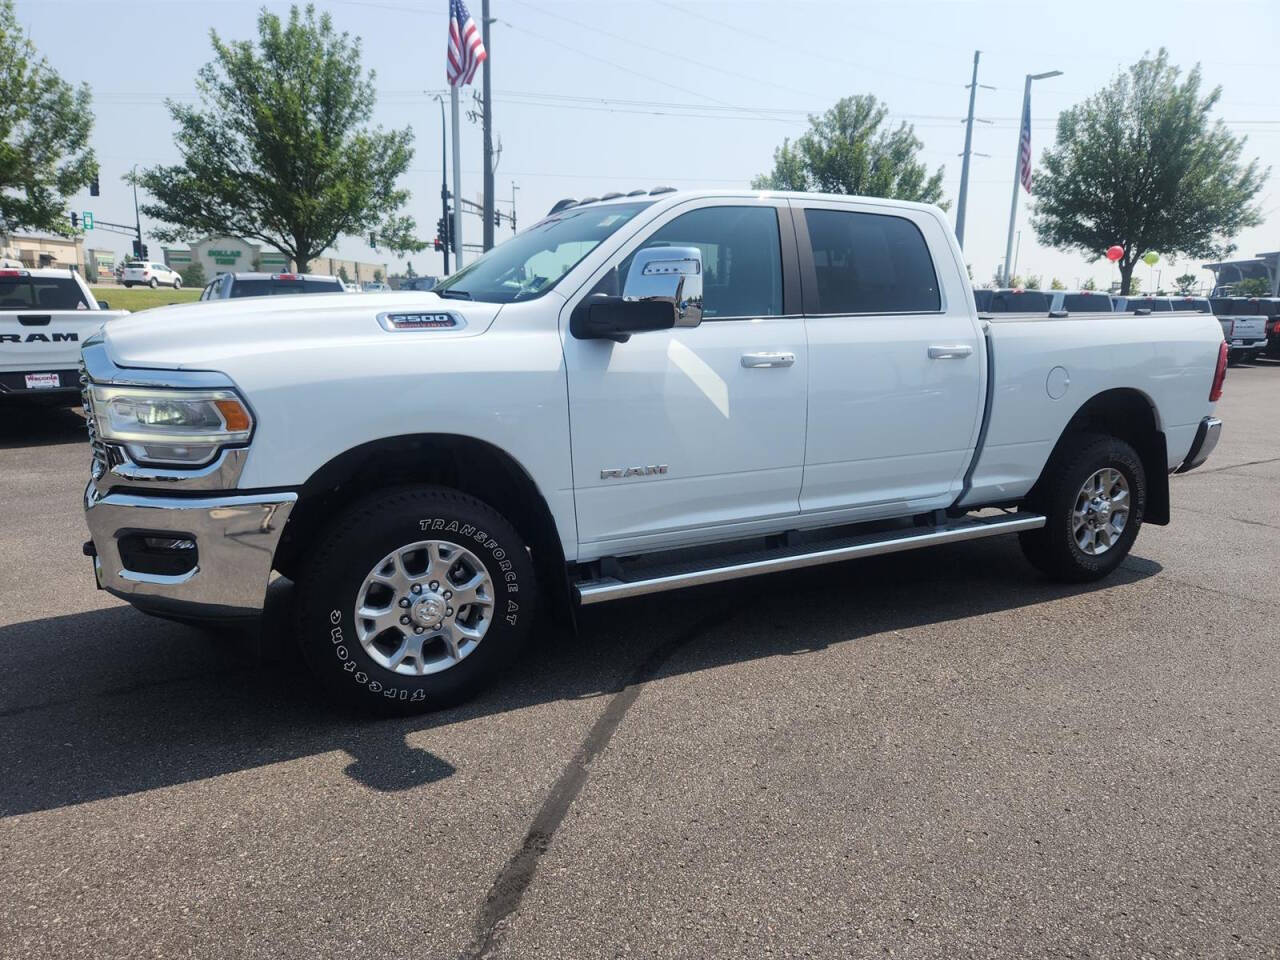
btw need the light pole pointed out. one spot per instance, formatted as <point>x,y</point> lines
<point>1025,120</point>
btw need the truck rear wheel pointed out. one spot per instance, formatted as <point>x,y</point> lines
<point>1094,495</point>
<point>413,598</point>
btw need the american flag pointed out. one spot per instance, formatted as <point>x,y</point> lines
<point>1024,145</point>
<point>466,49</point>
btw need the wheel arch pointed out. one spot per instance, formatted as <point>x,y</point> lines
<point>1132,416</point>
<point>472,466</point>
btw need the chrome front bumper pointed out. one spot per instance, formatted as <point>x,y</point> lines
<point>234,538</point>
<point>1206,439</point>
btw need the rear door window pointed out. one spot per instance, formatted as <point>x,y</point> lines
<point>869,263</point>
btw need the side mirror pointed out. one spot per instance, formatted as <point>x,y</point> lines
<point>663,290</point>
<point>103,305</point>
<point>668,274</point>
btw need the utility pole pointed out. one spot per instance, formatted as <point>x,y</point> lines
<point>1024,119</point>
<point>968,147</point>
<point>487,126</point>
<point>514,188</point>
<point>444,184</point>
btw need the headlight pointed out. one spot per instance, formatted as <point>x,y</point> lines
<point>175,427</point>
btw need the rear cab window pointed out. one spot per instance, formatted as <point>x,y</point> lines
<point>1086,303</point>
<point>868,263</point>
<point>41,293</point>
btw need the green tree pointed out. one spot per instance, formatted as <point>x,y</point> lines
<point>1251,287</point>
<point>342,274</point>
<point>1033,282</point>
<point>408,269</point>
<point>278,149</point>
<point>846,150</point>
<point>194,276</point>
<point>1141,164</point>
<point>1016,282</point>
<point>1185,283</point>
<point>44,136</point>
<point>377,276</point>
<point>1089,284</point>
<point>1056,284</point>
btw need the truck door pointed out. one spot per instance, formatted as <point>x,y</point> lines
<point>680,433</point>
<point>896,365</point>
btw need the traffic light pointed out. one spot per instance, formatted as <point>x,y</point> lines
<point>93,186</point>
<point>497,218</point>
<point>75,220</point>
<point>436,245</point>
<point>137,250</point>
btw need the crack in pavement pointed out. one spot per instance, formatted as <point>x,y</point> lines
<point>509,887</point>
<point>1230,466</point>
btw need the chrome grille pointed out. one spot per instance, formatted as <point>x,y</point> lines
<point>99,464</point>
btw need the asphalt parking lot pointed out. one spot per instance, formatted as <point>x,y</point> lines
<point>928,755</point>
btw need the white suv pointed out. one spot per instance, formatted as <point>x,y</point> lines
<point>151,275</point>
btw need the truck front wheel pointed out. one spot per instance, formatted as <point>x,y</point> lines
<point>1093,495</point>
<point>413,598</point>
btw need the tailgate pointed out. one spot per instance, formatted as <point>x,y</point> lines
<point>34,340</point>
<point>1243,329</point>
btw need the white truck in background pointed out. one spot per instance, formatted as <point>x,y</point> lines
<point>45,316</point>
<point>778,380</point>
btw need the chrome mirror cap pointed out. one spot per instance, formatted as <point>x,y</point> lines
<point>673,274</point>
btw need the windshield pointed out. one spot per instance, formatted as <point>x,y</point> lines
<point>532,262</point>
<point>272,288</point>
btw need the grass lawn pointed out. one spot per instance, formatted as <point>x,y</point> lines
<point>140,298</point>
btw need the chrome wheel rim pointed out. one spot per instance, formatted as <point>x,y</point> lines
<point>1101,511</point>
<point>424,607</point>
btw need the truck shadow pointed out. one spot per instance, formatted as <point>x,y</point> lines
<point>32,423</point>
<point>111,702</point>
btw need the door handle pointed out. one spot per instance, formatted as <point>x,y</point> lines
<point>949,351</point>
<point>755,360</point>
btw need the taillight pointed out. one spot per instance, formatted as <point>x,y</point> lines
<point>1220,374</point>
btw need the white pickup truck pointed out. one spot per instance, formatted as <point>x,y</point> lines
<point>777,380</point>
<point>45,315</point>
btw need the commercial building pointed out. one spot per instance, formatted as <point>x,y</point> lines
<point>1264,266</point>
<point>43,250</point>
<point>238,255</point>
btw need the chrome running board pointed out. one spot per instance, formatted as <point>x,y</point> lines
<point>811,555</point>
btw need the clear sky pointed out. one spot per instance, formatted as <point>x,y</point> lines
<point>600,95</point>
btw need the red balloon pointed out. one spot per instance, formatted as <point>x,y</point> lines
<point>1115,253</point>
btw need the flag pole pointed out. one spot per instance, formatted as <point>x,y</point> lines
<point>457,178</point>
<point>1017,182</point>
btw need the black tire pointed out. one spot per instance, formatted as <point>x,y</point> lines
<point>1053,548</point>
<point>345,553</point>
<point>127,284</point>
<point>177,283</point>
<point>154,283</point>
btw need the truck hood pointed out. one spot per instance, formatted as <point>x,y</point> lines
<point>203,336</point>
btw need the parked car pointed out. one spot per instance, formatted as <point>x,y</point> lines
<point>139,273</point>
<point>230,286</point>
<point>45,315</point>
<point>418,283</point>
<point>1243,327</point>
<point>351,287</point>
<point>780,380</point>
<point>1195,304</point>
<point>374,286</point>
